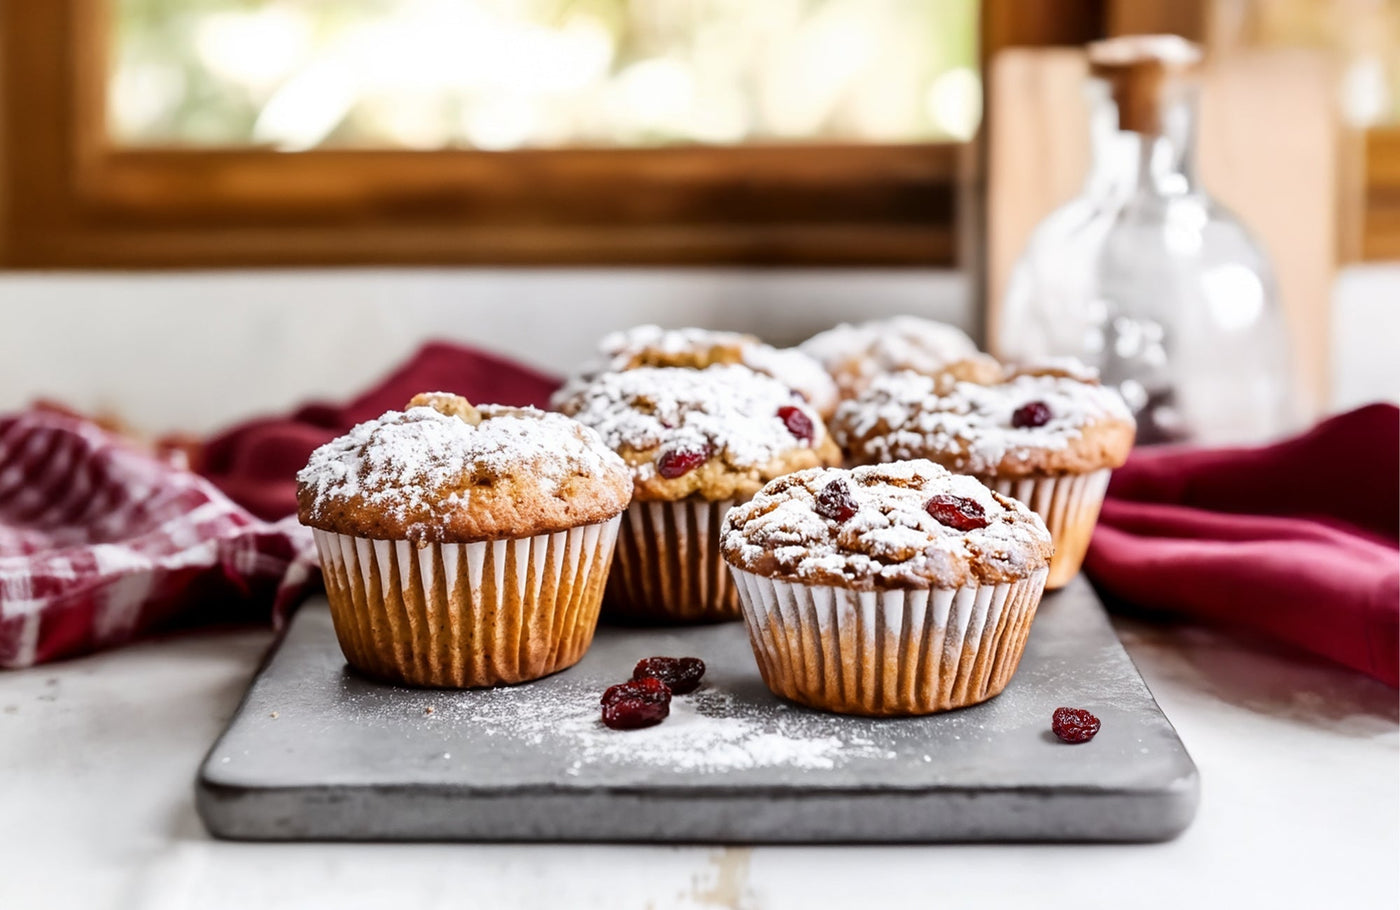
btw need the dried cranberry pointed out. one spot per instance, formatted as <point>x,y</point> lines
<point>680,674</point>
<point>797,422</point>
<point>957,512</point>
<point>636,703</point>
<point>1034,414</point>
<point>1074,725</point>
<point>675,463</point>
<point>834,501</point>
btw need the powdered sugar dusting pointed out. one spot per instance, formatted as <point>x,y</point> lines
<point>897,343</point>
<point>891,539</point>
<point>706,733</point>
<point>617,347</point>
<point>422,461</point>
<point>618,351</point>
<point>796,370</point>
<point>730,410</point>
<point>903,415</point>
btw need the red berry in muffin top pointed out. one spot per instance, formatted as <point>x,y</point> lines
<point>834,501</point>
<point>1030,415</point>
<point>1074,725</point>
<point>636,703</point>
<point>957,512</point>
<point>797,422</point>
<point>675,463</point>
<point>680,674</point>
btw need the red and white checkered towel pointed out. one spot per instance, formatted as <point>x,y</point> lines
<point>101,541</point>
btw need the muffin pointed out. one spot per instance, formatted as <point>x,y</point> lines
<point>1046,436</point>
<point>653,346</point>
<point>855,354</point>
<point>886,590</point>
<point>698,442</point>
<point>464,546</point>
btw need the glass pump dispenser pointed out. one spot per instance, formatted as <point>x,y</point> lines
<point>1145,277</point>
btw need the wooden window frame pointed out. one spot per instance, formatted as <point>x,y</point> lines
<point>69,200</point>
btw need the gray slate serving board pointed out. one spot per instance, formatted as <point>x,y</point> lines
<point>316,752</point>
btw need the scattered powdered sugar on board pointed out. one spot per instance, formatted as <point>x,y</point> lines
<point>705,732</point>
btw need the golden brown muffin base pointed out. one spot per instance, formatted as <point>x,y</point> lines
<point>466,615</point>
<point>668,567</point>
<point>889,653</point>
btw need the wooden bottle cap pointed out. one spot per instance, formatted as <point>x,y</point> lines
<point>1138,70</point>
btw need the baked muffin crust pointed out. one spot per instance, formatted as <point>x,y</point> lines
<point>855,354</point>
<point>730,420</point>
<point>968,427</point>
<point>890,539</point>
<point>693,348</point>
<point>443,470</point>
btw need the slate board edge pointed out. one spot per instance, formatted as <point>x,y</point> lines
<point>725,816</point>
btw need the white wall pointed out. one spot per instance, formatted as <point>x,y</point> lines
<point>1366,335</point>
<point>196,351</point>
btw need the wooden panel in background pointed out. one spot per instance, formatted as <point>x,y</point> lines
<point>1382,209</point>
<point>1267,118</point>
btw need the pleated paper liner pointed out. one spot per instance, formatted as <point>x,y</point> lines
<point>887,653</point>
<point>1070,506</point>
<point>668,567</point>
<point>466,615</point>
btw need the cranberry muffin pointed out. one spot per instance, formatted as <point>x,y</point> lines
<point>886,590</point>
<point>855,354</point>
<point>1048,436</point>
<point>653,346</point>
<point>464,546</point>
<point>697,442</point>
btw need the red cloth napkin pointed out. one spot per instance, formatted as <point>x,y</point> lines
<point>256,463</point>
<point>1298,541</point>
<point>101,541</point>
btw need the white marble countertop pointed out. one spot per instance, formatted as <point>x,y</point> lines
<point>1300,791</point>
<point>1300,801</point>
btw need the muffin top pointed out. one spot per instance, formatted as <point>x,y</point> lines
<point>1030,424</point>
<point>444,471</point>
<point>910,524</point>
<point>717,433</point>
<point>653,346</point>
<point>1064,367</point>
<point>856,354</point>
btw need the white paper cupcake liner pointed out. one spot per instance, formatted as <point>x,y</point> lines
<point>887,653</point>
<point>1070,505</point>
<point>668,566</point>
<point>464,615</point>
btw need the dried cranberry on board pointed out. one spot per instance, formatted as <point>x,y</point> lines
<point>680,674</point>
<point>675,463</point>
<point>1074,725</point>
<point>635,704</point>
<point>834,501</point>
<point>1031,415</point>
<point>956,512</point>
<point>797,422</point>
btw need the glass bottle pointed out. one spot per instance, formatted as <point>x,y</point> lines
<point>1146,277</point>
